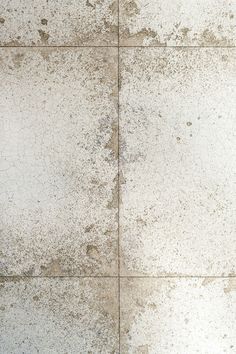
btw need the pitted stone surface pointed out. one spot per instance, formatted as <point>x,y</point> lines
<point>171,316</point>
<point>178,161</point>
<point>117,209</point>
<point>58,22</point>
<point>59,161</point>
<point>58,315</point>
<point>177,23</point>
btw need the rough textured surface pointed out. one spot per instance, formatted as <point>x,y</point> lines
<point>178,316</point>
<point>178,161</point>
<point>178,22</point>
<point>74,316</point>
<point>58,22</point>
<point>58,134</point>
<point>62,170</point>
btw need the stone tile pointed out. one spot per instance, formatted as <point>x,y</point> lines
<point>58,144</point>
<point>58,22</point>
<point>59,315</point>
<point>177,22</point>
<point>178,161</point>
<point>178,316</point>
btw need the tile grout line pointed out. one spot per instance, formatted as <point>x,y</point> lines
<point>178,46</point>
<point>58,276</point>
<point>118,277</point>
<point>115,46</point>
<point>118,191</point>
<point>57,46</point>
<point>168,277</point>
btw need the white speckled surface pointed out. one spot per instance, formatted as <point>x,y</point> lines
<point>175,316</point>
<point>178,161</point>
<point>59,161</point>
<point>177,23</point>
<point>117,177</point>
<point>59,315</point>
<point>58,22</point>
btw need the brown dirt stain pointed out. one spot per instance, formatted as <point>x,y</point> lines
<point>92,251</point>
<point>231,286</point>
<point>139,37</point>
<point>17,59</point>
<point>113,203</point>
<point>207,281</point>
<point>112,144</point>
<point>142,349</point>
<point>44,21</point>
<point>43,36</point>
<point>208,37</point>
<point>54,267</point>
<point>131,8</point>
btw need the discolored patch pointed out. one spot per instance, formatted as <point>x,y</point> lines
<point>181,23</point>
<point>59,23</point>
<point>44,36</point>
<point>112,144</point>
<point>44,21</point>
<point>92,251</point>
<point>131,8</point>
<point>231,286</point>
<point>113,202</point>
<point>60,170</point>
<point>18,59</point>
<point>136,39</point>
<point>82,315</point>
<point>54,267</point>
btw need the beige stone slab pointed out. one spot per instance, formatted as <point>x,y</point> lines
<point>58,146</point>
<point>176,316</point>
<point>59,315</point>
<point>178,161</point>
<point>178,23</point>
<point>58,22</point>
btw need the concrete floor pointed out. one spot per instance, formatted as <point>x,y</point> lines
<point>118,177</point>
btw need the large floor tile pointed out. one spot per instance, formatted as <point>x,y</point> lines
<point>176,316</point>
<point>58,144</point>
<point>177,22</point>
<point>58,22</point>
<point>178,161</point>
<point>58,316</point>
